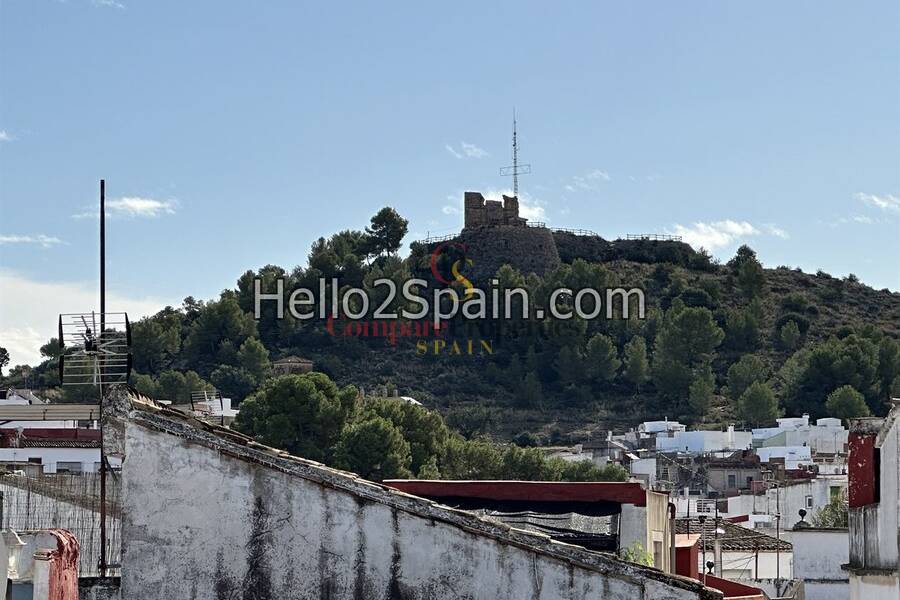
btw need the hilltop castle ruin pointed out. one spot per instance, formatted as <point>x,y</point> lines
<point>494,235</point>
<point>491,213</point>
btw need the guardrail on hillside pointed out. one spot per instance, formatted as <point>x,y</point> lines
<point>655,237</point>
<point>442,238</point>
<point>576,231</point>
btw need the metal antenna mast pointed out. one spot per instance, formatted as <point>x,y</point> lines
<point>515,159</point>
<point>515,170</point>
<point>96,351</point>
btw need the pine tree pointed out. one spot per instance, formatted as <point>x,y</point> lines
<point>531,394</point>
<point>602,358</point>
<point>701,392</point>
<point>846,403</point>
<point>757,404</point>
<point>790,335</point>
<point>748,370</point>
<point>637,368</point>
<point>569,365</point>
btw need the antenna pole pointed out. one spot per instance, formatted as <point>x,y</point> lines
<point>100,335</point>
<point>515,159</point>
<point>516,169</point>
<point>102,255</point>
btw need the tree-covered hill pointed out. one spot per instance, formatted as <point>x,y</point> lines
<point>720,343</point>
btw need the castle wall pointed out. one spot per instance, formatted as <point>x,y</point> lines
<point>528,249</point>
<point>491,213</point>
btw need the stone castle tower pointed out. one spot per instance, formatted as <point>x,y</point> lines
<point>495,235</point>
<point>491,213</point>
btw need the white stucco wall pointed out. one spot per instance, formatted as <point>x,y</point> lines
<point>874,587</point>
<point>743,565</point>
<point>645,467</point>
<point>788,500</point>
<point>818,556</point>
<point>201,522</point>
<point>705,441</point>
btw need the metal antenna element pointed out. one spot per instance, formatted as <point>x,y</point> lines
<point>95,350</point>
<point>203,400</point>
<point>516,169</point>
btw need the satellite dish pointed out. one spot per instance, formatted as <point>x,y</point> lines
<point>96,348</point>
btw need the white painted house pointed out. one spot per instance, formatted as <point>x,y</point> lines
<point>705,441</point>
<point>827,435</point>
<point>787,499</point>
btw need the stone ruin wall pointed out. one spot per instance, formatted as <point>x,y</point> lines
<point>494,234</point>
<point>491,213</point>
<point>528,249</point>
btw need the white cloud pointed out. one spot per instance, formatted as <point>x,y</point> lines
<point>452,151</point>
<point>449,209</point>
<point>141,207</point>
<point>533,209</point>
<point>858,219</point>
<point>45,241</point>
<point>133,207</point>
<point>777,231</point>
<point>466,150</point>
<point>588,181</point>
<point>715,235</point>
<point>108,4</point>
<point>5,136</point>
<point>473,151</point>
<point>29,311</point>
<point>887,202</point>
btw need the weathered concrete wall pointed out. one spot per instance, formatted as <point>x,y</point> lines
<point>875,587</point>
<point>99,588</point>
<point>205,518</point>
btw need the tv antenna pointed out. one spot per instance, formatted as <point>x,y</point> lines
<point>96,348</point>
<point>96,351</point>
<point>516,169</point>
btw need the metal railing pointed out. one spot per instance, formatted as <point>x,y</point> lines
<point>442,238</point>
<point>576,231</point>
<point>655,237</point>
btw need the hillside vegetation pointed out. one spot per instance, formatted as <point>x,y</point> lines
<point>720,343</point>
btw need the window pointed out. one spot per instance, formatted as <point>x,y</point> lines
<point>809,502</point>
<point>834,492</point>
<point>732,482</point>
<point>68,467</point>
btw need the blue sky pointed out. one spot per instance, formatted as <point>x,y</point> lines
<point>232,134</point>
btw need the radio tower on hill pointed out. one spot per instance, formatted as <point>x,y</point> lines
<point>516,169</point>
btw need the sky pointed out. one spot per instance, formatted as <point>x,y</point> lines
<point>233,134</point>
